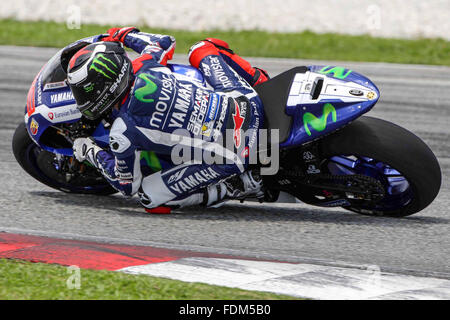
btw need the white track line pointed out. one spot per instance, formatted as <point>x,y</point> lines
<point>300,280</point>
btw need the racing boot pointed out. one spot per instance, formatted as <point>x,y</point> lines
<point>246,185</point>
<point>213,196</point>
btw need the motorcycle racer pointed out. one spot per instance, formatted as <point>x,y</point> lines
<point>148,104</point>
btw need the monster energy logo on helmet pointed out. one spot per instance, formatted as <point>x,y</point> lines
<point>104,66</point>
<point>89,87</point>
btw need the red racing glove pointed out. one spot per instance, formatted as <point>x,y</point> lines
<point>119,34</point>
<point>220,44</point>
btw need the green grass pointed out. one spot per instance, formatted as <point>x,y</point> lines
<point>305,45</point>
<point>25,280</point>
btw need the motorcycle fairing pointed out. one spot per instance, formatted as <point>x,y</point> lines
<point>320,101</point>
<point>50,100</point>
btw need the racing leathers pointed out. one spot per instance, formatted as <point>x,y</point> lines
<point>164,111</point>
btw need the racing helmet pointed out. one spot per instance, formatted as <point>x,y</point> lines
<point>98,75</point>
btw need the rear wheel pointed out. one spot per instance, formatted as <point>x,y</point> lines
<point>402,162</point>
<point>45,167</point>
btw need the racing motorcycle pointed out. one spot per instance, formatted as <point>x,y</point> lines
<point>329,154</point>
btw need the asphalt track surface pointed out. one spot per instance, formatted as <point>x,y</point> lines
<point>415,97</point>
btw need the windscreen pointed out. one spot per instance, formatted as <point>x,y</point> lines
<point>53,72</point>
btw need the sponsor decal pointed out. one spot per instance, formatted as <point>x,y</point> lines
<point>243,106</point>
<point>89,87</point>
<point>55,85</point>
<point>164,101</point>
<point>182,104</point>
<point>213,107</point>
<point>34,127</point>
<point>194,180</point>
<point>122,173</point>
<point>100,105</point>
<point>211,114</point>
<point>255,108</point>
<point>39,91</point>
<point>220,121</point>
<point>206,69</point>
<point>119,78</point>
<point>124,182</point>
<point>254,133</point>
<point>337,72</point>
<point>219,73</point>
<point>59,97</point>
<point>65,113</point>
<point>120,162</point>
<point>207,128</point>
<point>255,126</point>
<point>198,113</point>
<point>370,95</point>
<point>336,203</point>
<point>177,176</point>
<point>319,124</point>
<point>149,88</point>
<point>238,121</point>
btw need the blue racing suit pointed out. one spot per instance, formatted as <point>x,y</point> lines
<point>164,110</point>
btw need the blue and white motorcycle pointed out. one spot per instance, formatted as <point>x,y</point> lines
<point>329,154</point>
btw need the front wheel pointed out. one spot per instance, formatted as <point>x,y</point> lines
<point>402,162</point>
<point>43,166</point>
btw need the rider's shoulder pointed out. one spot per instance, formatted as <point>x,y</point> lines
<point>143,93</point>
<point>143,63</point>
<point>145,76</point>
